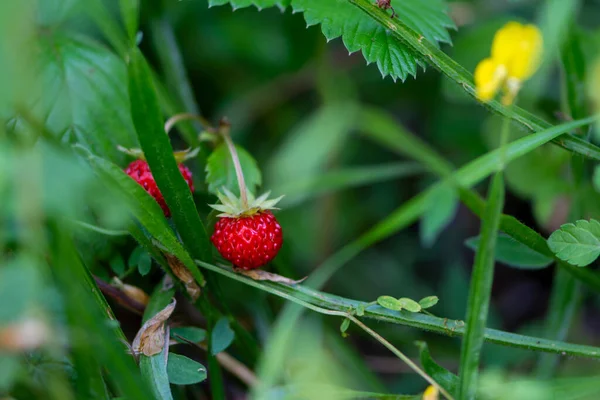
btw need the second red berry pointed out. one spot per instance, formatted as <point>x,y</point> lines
<point>140,172</point>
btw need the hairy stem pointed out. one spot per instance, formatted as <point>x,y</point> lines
<point>224,130</point>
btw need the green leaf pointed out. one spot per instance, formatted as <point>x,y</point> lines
<point>260,4</point>
<point>220,171</point>
<point>428,302</point>
<point>409,304</point>
<point>143,207</point>
<point>309,146</point>
<point>441,208</point>
<point>134,257</point>
<point>578,243</point>
<point>359,32</point>
<point>117,265</point>
<point>389,302</point>
<point>84,97</point>
<point>514,253</point>
<point>154,368</point>
<point>441,375</point>
<point>129,13</point>
<point>221,337</point>
<point>480,289</point>
<point>596,178</point>
<point>155,373</point>
<point>159,154</point>
<point>144,264</point>
<point>184,371</point>
<point>190,333</point>
<point>344,326</point>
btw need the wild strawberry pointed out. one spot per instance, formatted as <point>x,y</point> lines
<point>140,172</point>
<point>247,233</point>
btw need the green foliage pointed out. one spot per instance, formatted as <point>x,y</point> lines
<point>339,143</point>
<point>428,302</point>
<point>83,83</point>
<point>440,374</point>
<point>441,208</point>
<point>220,172</point>
<point>189,333</point>
<point>222,336</point>
<point>513,253</point>
<point>340,18</point>
<point>184,371</point>
<point>480,290</point>
<point>578,243</point>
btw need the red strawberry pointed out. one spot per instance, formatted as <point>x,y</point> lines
<point>248,236</point>
<point>140,172</point>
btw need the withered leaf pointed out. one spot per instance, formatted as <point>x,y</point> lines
<point>260,275</point>
<point>184,275</point>
<point>150,339</point>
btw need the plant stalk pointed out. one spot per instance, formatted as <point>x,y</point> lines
<point>224,130</point>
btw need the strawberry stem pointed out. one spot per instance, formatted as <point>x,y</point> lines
<point>224,129</point>
<point>186,116</point>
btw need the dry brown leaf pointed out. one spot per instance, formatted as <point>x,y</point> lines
<point>133,292</point>
<point>184,275</point>
<point>150,339</point>
<point>260,275</point>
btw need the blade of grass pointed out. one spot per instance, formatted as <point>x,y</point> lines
<point>403,216</point>
<point>87,318</point>
<point>159,154</point>
<point>438,59</point>
<point>171,61</point>
<point>143,207</point>
<point>566,291</point>
<point>382,128</point>
<point>480,290</point>
<point>429,323</point>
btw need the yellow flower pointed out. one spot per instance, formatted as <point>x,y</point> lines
<point>516,53</point>
<point>431,393</point>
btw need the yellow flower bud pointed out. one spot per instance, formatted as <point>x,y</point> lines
<point>431,393</point>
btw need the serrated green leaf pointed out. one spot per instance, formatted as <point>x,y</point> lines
<point>360,32</point>
<point>428,302</point>
<point>514,253</point>
<point>190,333</point>
<point>220,171</point>
<point>441,208</point>
<point>409,304</point>
<point>389,302</point>
<point>441,375</point>
<point>184,371</point>
<point>84,97</point>
<point>578,243</point>
<point>221,337</point>
<point>260,4</point>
